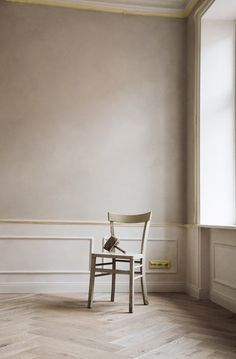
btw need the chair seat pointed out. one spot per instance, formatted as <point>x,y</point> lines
<point>118,255</point>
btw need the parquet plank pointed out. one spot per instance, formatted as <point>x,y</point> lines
<point>173,326</point>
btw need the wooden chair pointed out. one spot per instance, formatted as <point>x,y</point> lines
<point>136,261</point>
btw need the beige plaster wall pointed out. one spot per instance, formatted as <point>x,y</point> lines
<point>92,114</point>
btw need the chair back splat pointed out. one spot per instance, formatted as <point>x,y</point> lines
<point>132,219</point>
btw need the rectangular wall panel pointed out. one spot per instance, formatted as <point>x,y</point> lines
<point>166,249</point>
<point>224,268</point>
<point>44,255</point>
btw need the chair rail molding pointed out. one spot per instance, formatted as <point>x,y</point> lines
<point>86,222</point>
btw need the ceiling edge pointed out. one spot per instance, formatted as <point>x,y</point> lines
<point>190,6</point>
<point>115,8</point>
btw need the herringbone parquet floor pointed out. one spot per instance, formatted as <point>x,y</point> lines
<point>60,326</point>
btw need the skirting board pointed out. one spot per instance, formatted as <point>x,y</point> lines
<point>223,300</point>
<point>73,287</point>
<point>195,292</point>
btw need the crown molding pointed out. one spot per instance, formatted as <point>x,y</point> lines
<point>167,8</point>
<point>189,7</point>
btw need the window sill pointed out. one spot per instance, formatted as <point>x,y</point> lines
<point>216,226</point>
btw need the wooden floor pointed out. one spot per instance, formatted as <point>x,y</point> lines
<point>60,326</point>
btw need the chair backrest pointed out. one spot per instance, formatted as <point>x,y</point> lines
<point>144,218</point>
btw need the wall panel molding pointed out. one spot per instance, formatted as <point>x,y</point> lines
<point>223,300</point>
<point>214,264</point>
<point>63,276</point>
<point>46,238</point>
<point>155,240</point>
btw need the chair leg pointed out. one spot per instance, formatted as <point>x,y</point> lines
<point>144,286</point>
<point>131,287</point>
<point>91,281</point>
<point>113,281</point>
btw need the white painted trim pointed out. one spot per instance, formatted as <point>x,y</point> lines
<point>223,300</point>
<point>195,292</point>
<point>196,125</point>
<point>87,222</point>
<point>152,287</point>
<point>203,293</point>
<point>166,287</point>
<point>203,278</point>
<point>199,259</point>
<point>190,7</point>
<point>155,8</point>
<point>212,226</point>
<point>91,243</point>
<point>82,287</point>
<point>91,239</point>
<point>214,279</point>
<point>45,272</point>
<point>130,239</point>
<point>42,287</point>
<point>196,107</point>
<point>192,290</point>
<point>225,284</point>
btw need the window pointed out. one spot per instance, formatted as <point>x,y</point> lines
<point>217,121</point>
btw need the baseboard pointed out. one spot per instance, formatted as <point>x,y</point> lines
<point>152,287</point>
<point>43,287</point>
<point>73,287</point>
<point>223,300</point>
<point>192,290</point>
<point>203,293</point>
<point>175,287</point>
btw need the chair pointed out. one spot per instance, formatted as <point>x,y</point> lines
<point>136,261</point>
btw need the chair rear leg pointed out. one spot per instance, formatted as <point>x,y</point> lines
<point>144,286</point>
<point>91,281</point>
<point>131,287</point>
<point>113,281</point>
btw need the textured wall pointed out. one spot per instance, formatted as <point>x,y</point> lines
<point>92,114</point>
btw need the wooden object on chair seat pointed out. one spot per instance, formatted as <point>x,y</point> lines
<point>111,244</point>
<point>136,262</point>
